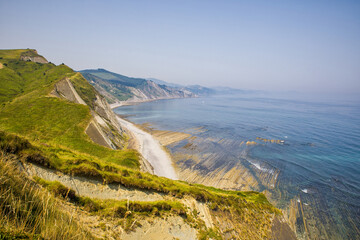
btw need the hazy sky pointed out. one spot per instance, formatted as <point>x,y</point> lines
<point>268,45</point>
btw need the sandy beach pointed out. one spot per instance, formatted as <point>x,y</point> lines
<point>151,150</point>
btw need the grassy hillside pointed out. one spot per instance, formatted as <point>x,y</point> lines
<point>113,86</point>
<point>120,92</point>
<point>56,126</point>
<point>116,78</point>
<point>39,128</point>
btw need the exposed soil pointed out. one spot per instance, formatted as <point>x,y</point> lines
<point>92,188</point>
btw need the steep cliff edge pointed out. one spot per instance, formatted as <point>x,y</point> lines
<point>103,128</point>
<point>45,114</point>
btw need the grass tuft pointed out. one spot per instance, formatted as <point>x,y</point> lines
<point>28,212</point>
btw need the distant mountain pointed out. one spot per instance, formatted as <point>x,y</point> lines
<point>228,90</point>
<point>196,89</point>
<point>200,90</point>
<point>161,82</point>
<point>205,91</point>
<point>116,87</point>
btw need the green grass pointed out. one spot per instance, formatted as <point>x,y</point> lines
<point>10,84</point>
<point>12,53</point>
<point>84,89</point>
<point>119,91</point>
<point>116,78</point>
<point>20,78</point>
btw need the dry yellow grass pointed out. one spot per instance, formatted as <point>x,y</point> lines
<point>29,212</point>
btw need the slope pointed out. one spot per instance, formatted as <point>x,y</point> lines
<point>55,125</point>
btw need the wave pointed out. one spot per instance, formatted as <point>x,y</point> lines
<point>305,190</point>
<point>261,168</point>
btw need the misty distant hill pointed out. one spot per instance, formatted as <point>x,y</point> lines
<point>196,89</point>
<point>116,87</point>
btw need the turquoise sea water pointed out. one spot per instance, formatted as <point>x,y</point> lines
<point>319,161</point>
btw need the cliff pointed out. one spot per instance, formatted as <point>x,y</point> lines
<point>116,87</point>
<point>33,56</point>
<point>103,128</point>
<point>59,138</point>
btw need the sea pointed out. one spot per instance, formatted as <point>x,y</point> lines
<point>315,151</point>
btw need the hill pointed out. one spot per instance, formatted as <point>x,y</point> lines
<point>58,136</point>
<point>195,89</point>
<point>116,87</point>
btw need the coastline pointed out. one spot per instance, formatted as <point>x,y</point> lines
<point>239,177</point>
<point>151,149</point>
<point>134,102</point>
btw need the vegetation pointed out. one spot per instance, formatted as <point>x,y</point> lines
<point>113,208</point>
<point>27,212</point>
<point>116,78</point>
<point>119,91</point>
<point>84,89</point>
<point>116,84</point>
<point>55,126</point>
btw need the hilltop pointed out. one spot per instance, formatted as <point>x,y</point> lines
<point>69,172</point>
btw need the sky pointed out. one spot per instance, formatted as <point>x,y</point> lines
<point>303,46</point>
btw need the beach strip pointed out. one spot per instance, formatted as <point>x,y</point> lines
<point>151,149</point>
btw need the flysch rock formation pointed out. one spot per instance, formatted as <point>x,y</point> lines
<point>103,118</point>
<point>153,91</point>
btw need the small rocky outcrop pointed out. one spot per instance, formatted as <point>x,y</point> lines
<point>33,56</point>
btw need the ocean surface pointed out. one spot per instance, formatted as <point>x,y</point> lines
<point>317,160</point>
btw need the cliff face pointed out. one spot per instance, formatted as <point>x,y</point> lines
<point>116,87</point>
<point>103,128</point>
<point>152,91</point>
